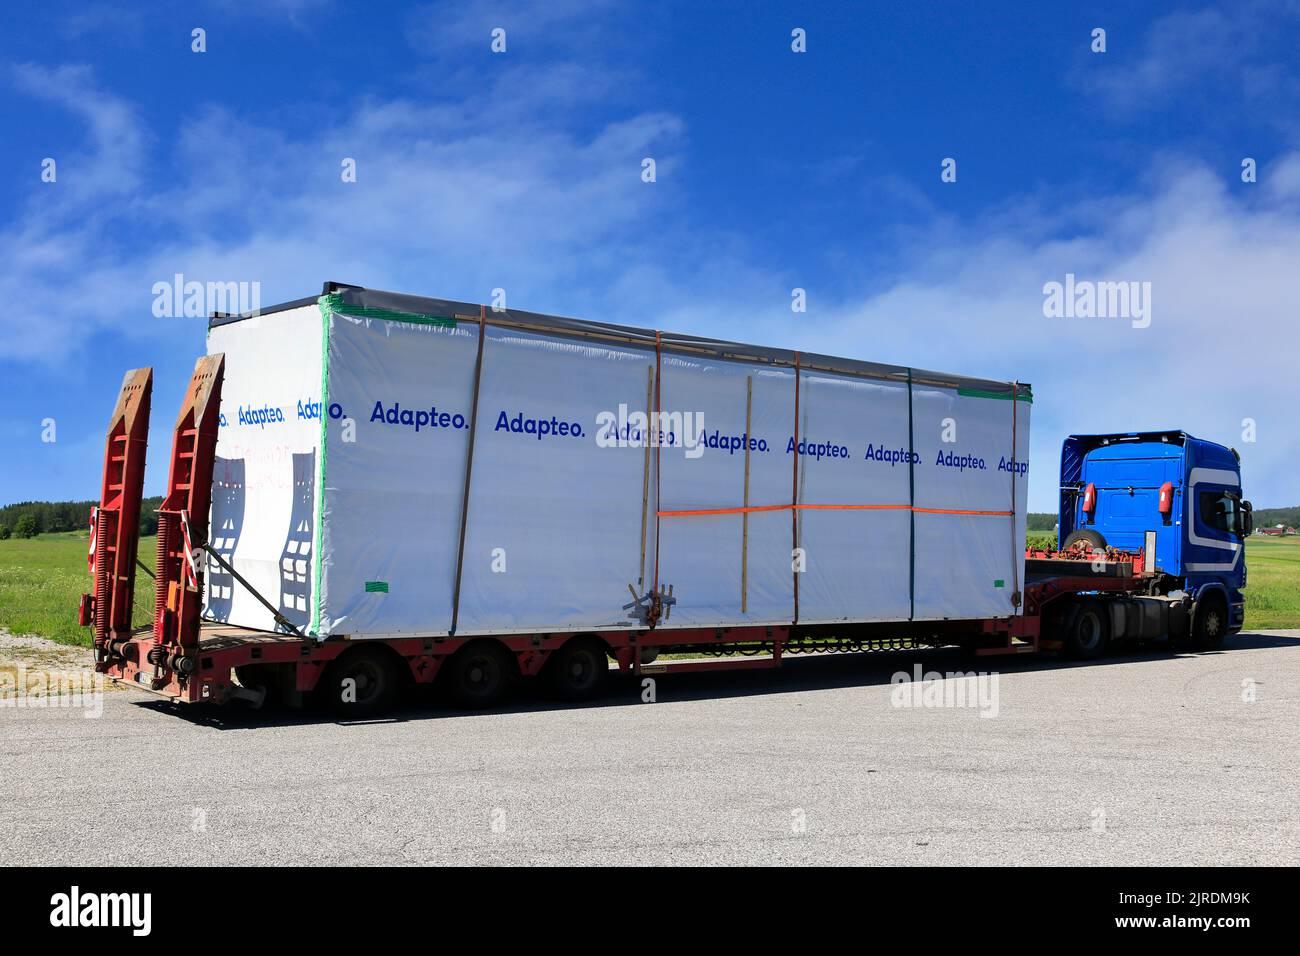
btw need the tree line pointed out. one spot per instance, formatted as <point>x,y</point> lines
<point>27,519</point>
<point>30,518</point>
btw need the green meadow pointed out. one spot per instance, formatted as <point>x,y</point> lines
<point>43,578</point>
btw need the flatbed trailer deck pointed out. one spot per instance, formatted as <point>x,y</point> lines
<point>226,656</point>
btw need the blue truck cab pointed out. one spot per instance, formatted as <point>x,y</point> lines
<point>1170,493</point>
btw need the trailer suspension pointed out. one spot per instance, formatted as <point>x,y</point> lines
<point>805,645</point>
<point>849,645</point>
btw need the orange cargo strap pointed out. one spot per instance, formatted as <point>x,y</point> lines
<point>687,513</point>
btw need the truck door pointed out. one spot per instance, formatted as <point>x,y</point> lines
<point>1215,521</point>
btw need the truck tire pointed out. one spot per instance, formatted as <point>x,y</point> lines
<point>578,670</point>
<point>1087,630</point>
<point>1093,539</point>
<point>361,683</point>
<point>481,674</point>
<point>1211,622</point>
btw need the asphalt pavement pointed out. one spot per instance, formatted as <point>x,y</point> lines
<point>1147,758</point>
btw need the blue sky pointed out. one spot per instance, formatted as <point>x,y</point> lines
<point>522,170</point>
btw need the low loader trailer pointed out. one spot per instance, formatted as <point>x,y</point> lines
<point>368,491</point>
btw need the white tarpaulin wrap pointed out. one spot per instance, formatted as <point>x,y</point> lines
<point>855,570</point>
<point>264,478</point>
<point>397,430</point>
<point>967,565</point>
<point>700,554</point>
<point>885,497</point>
<point>554,518</point>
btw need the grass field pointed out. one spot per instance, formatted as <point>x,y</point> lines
<point>42,578</point>
<point>1273,582</point>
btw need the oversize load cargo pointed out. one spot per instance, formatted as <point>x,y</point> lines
<point>761,486</point>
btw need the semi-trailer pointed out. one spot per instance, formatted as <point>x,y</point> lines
<point>369,490</point>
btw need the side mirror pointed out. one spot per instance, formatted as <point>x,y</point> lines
<point>1247,519</point>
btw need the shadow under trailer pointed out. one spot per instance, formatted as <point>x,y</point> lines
<point>370,490</point>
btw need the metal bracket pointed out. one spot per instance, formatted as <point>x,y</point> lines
<point>229,569</point>
<point>649,607</point>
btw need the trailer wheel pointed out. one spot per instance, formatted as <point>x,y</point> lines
<point>1087,631</point>
<point>263,677</point>
<point>360,683</point>
<point>577,671</point>
<point>1211,623</point>
<point>481,674</point>
<point>1093,539</point>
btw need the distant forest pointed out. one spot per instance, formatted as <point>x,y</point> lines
<point>1268,517</point>
<point>30,518</point>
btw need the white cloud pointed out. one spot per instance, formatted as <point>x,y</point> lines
<point>114,158</point>
<point>503,187</point>
<point>455,198</point>
<point>1240,51</point>
<point>1177,50</point>
<point>455,27</point>
<point>1221,345</point>
<point>298,13</point>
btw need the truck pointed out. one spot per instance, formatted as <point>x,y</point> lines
<point>370,490</point>
<point>1176,501</point>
